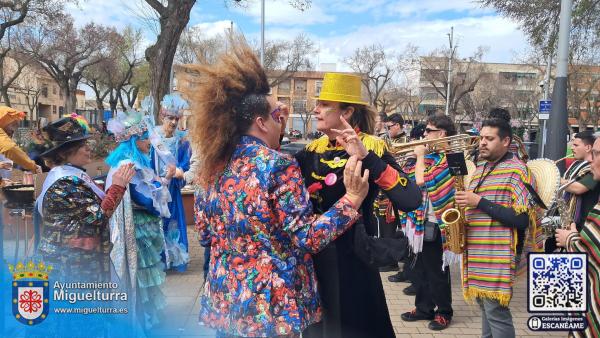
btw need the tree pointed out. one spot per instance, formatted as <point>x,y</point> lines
<point>539,18</point>
<point>14,12</point>
<point>173,16</point>
<point>383,74</point>
<point>283,58</point>
<point>194,47</point>
<point>64,51</point>
<point>466,75</point>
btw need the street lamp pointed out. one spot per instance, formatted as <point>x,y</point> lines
<point>451,39</point>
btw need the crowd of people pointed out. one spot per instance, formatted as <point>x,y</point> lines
<point>295,244</point>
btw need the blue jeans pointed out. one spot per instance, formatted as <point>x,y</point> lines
<point>496,320</point>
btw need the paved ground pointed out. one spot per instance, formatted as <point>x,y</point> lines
<point>183,290</point>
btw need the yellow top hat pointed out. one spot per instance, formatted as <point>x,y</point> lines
<point>340,87</point>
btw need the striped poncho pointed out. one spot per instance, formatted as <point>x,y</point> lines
<point>438,188</point>
<point>588,241</point>
<point>489,261</point>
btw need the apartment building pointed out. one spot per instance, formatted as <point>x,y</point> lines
<point>37,94</point>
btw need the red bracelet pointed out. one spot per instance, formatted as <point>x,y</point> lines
<point>347,200</point>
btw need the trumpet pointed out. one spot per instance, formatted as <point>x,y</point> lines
<point>450,144</point>
<point>562,159</point>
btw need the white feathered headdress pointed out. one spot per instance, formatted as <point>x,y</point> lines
<point>129,123</point>
<point>173,105</point>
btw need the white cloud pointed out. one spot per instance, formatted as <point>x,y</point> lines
<point>281,13</point>
<point>501,35</point>
<point>412,8</point>
<point>212,29</point>
<point>107,12</point>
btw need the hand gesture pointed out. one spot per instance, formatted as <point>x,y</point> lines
<point>467,199</point>
<point>562,235</point>
<point>420,151</point>
<point>123,175</point>
<point>348,138</point>
<point>178,173</point>
<point>170,171</point>
<point>6,165</point>
<point>357,185</point>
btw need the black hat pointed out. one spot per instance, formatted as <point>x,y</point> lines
<point>62,133</point>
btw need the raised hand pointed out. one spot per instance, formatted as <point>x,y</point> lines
<point>123,175</point>
<point>357,185</point>
<point>349,139</point>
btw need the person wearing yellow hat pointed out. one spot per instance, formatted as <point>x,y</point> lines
<point>347,269</point>
<point>9,121</point>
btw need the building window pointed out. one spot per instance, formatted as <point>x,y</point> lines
<point>53,109</point>
<point>54,90</point>
<point>299,87</point>
<point>299,106</point>
<point>284,87</point>
<point>297,124</point>
<point>44,90</point>
<point>318,86</point>
<point>61,111</point>
<point>284,100</point>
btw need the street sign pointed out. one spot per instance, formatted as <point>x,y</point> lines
<point>545,108</point>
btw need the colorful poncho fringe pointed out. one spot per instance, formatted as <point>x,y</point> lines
<point>489,261</point>
<point>439,189</point>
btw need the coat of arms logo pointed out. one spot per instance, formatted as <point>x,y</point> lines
<point>30,292</point>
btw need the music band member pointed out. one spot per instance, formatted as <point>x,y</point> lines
<point>587,240</point>
<point>581,195</point>
<point>385,213</point>
<point>421,226</point>
<point>498,204</point>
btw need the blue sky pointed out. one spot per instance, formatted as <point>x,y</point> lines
<point>340,26</point>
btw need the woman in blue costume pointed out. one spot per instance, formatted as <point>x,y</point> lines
<point>136,226</point>
<point>173,149</point>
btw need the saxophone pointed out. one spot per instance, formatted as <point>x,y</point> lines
<point>453,221</point>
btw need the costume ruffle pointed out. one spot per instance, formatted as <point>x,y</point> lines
<point>177,254</point>
<point>150,274</point>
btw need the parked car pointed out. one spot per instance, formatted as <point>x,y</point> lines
<point>292,148</point>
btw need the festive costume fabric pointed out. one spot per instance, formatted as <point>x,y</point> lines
<point>141,218</point>
<point>588,241</point>
<point>438,189</point>
<point>382,205</point>
<point>175,227</point>
<point>489,261</point>
<point>136,226</point>
<point>259,223</point>
<point>75,237</point>
<point>75,241</point>
<point>349,281</point>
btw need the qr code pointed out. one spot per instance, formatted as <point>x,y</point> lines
<point>557,282</point>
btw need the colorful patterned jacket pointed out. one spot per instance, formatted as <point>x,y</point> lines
<point>261,228</point>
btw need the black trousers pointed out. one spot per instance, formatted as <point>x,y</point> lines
<point>433,284</point>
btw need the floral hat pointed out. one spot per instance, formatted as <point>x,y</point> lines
<point>128,123</point>
<point>173,105</point>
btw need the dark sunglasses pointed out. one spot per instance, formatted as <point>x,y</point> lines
<point>429,130</point>
<point>276,115</point>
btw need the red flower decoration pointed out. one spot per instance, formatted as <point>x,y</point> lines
<point>314,187</point>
